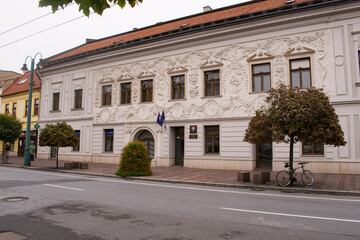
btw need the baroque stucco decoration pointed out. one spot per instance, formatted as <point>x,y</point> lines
<point>233,60</point>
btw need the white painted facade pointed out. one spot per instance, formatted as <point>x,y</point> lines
<point>329,36</point>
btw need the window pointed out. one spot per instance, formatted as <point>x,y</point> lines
<point>14,109</point>
<point>178,87</point>
<point>56,101</point>
<point>36,106</point>
<point>26,107</point>
<point>147,138</point>
<point>212,83</point>
<point>22,81</point>
<point>126,93</point>
<point>300,73</point>
<point>309,148</point>
<point>77,147</point>
<point>147,91</point>
<point>109,139</point>
<point>212,139</point>
<point>106,95</point>
<point>7,109</point>
<point>261,81</point>
<point>78,98</point>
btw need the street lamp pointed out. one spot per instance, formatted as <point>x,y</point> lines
<point>27,139</point>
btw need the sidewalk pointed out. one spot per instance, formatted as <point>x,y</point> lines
<point>324,183</point>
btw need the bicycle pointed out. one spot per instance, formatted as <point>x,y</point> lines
<point>284,178</point>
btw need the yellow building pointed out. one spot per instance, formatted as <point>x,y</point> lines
<point>14,101</point>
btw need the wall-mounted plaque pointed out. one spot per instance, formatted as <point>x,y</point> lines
<point>193,136</point>
<point>193,128</point>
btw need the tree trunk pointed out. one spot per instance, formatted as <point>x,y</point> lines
<point>291,157</point>
<point>3,152</point>
<point>57,157</point>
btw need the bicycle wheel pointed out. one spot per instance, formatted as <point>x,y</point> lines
<point>283,178</point>
<point>307,178</point>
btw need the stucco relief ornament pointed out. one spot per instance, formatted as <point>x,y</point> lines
<point>194,92</point>
<point>107,75</point>
<point>105,116</point>
<point>235,85</point>
<point>176,111</point>
<point>143,112</point>
<point>193,77</point>
<point>211,109</point>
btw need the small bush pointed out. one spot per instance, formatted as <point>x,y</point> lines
<point>135,160</point>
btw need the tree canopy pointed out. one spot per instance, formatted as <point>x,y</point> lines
<point>97,6</point>
<point>58,135</point>
<point>10,128</point>
<point>291,115</point>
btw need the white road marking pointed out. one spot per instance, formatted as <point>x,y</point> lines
<point>226,191</point>
<point>188,188</point>
<point>293,215</point>
<point>69,188</point>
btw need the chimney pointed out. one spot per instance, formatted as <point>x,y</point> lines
<point>89,40</point>
<point>207,9</point>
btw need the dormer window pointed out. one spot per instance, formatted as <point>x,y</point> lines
<point>22,81</point>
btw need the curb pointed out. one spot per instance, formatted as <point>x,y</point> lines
<point>210,184</point>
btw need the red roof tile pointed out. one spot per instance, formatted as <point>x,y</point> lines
<point>210,16</point>
<point>22,84</point>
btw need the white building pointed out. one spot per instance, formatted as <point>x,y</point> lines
<point>209,73</point>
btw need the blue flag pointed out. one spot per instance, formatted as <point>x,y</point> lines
<point>158,119</point>
<point>162,120</point>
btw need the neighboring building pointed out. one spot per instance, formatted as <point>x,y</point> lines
<point>6,79</point>
<point>15,100</point>
<point>209,73</point>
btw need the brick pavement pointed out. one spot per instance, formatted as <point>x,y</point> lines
<point>324,183</point>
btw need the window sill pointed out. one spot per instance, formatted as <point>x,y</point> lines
<point>147,102</point>
<point>104,106</point>
<point>313,155</point>
<point>212,154</point>
<point>54,111</point>
<point>217,96</point>
<point>177,100</point>
<point>77,109</point>
<point>124,104</point>
<point>259,92</point>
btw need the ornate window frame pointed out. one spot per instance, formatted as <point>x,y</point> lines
<point>174,72</point>
<point>211,65</point>
<point>297,53</point>
<point>258,59</point>
<point>125,78</point>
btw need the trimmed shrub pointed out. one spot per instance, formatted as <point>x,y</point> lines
<point>135,160</point>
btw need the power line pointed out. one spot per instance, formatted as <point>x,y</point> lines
<point>46,29</point>
<point>31,35</point>
<point>33,20</point>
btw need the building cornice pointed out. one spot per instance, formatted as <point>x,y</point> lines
<point>211,30</point>
<point>350,102</point>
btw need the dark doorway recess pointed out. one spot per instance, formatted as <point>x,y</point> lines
<point>264,156</point>
<point>179,146</point>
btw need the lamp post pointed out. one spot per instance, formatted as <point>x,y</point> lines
<point>27,139</point>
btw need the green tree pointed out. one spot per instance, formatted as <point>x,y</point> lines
<point>135,160</point>
<point>84,5</point>
<point>291,115</point>
<point>10,129</point>
<point>58,135</point>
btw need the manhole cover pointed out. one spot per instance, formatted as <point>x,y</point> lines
<point>14,199</point>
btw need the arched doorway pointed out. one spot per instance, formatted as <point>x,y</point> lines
<point>148,139</point>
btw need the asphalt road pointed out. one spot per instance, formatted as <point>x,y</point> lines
<point>51,205</point>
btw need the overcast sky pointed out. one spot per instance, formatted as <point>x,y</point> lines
<point>14,13</point>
